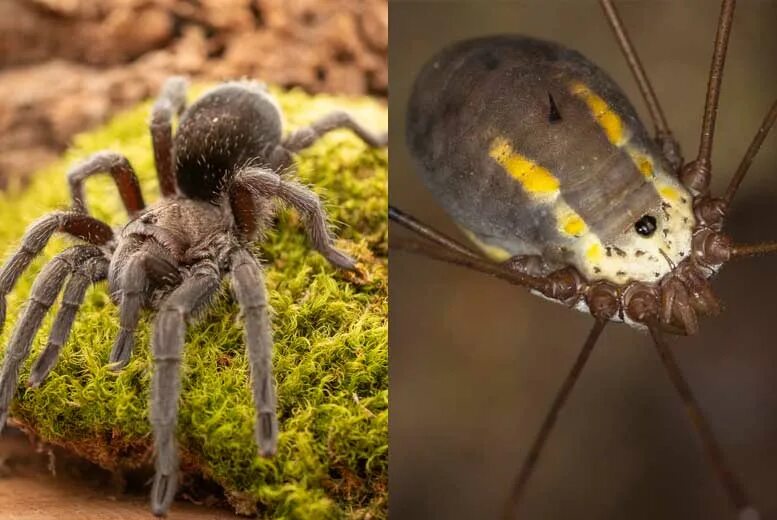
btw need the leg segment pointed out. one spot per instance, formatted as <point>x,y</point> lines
<point>550,420</point>
<point>714,454</point>
<point>120,170</point>
<point>172,100</point>
<point>144,269</point>
<point>664,137</point>
<point>167,345</point>
<point>92,271</point>
<point>267,184</point>
<point>302,138</point>
<point>248,284</point>
<point>37,236</point>
<point>44,293</point>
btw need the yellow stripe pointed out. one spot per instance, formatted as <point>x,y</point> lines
<point>534,178</point>
<point>643,163</point>
<point>495,253</point>
<point>568,221</point>
<point>604,115</point>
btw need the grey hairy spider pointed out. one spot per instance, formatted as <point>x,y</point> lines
<point>221,177</point>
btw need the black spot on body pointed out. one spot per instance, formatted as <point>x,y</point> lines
<point>618,251</point>
<point>597,270</point>
<point>554,116</point>
<point>639,253</point>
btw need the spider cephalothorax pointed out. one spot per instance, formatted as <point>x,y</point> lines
<point>221,177</point>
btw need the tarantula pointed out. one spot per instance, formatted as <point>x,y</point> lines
<point>220,177</point>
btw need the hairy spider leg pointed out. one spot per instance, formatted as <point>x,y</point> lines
<point>120,170</point>
<point>302,138</point>
<point>93,270</point>
<point>265,184</point>
<point>44,292</point>
<point>194,293</point>
<point>149,264</point>
<point>37,236</point>
<point>248,285</point>
<point>171,101</point>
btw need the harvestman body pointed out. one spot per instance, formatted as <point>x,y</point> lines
<point>221,177</point>
<point>541,160</point>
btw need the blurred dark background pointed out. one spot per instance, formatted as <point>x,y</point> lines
<point>68,65</point>
<point>476,362</point>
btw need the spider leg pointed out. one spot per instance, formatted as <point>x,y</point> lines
<point>44,292</point>
<point>93,270</point>
<point>37,236</point>
<point>145,268</point>
<point>267,184</point>
<point>167,345</point>
<point>304,137</point>
<point>248,284</point>
<point>120,170</point>
<point>172,100</point>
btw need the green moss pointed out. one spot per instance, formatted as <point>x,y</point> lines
<point>329,328</point>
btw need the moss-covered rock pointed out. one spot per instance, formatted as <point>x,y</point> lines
<point>329,328</point>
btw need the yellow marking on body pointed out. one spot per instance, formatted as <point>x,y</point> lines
<point>669,193</point>
<point>534,179</point>
<point>569,222</point>
<point>609,121</point>
<point>594,253</point>
<point>643,163</point>
<point>495,253</point>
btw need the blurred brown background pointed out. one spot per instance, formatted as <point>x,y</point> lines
<point>67,65</point>
<point>475,362</point>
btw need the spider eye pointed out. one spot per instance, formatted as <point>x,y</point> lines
<point>646,226</point>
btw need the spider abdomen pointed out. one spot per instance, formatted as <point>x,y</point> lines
<point>230,127</point>
<point>532,149</point>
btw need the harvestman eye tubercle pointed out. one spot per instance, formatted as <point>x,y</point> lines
<point>564,191</point>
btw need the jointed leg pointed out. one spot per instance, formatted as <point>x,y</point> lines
<point>120,170</point>
<point>248,284</point>
<point>172,100</point>
<point>304,137</point>
<point>268,184</point>
<point>664,137</point>
<point>714,454</point>
<point>44,293</point>
<point>146,267</point>
<point>37,236</point>
<point>550,420</point>
<point>167,345</point>
<point>91,271</point>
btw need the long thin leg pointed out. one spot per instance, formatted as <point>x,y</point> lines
<point>266,183</point>
<point>743,250</point>
<point>119,169</point>
<point>44,292</point>
<point>248,284</point>
<point>445,249</point>
<point>696,174</point>
<point>550,420</point>
<point>167,346</point>
<point>302,138</point>
<point>37,236</point>
<point>712,449</point>
<point>664,137</point>
<point>91,271</point>
<point>172,100</point>
<point>752,150</point>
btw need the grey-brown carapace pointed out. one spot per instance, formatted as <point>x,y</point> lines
<point>222,176</point>
<point>541,160</point>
